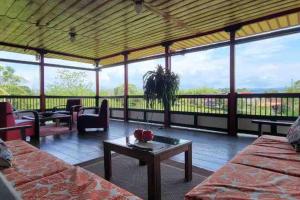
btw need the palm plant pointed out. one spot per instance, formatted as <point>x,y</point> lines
<point>161,85</point>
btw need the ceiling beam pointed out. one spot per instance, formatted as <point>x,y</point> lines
<point>45,50</point>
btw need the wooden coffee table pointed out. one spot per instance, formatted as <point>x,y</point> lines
<point>56,117</point>
<point>164,148</point>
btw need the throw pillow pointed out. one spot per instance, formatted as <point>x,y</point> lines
<point>5,155</point>
<point>293,135</point>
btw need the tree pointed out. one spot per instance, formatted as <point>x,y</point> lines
<point>12,84</point>
<point>132,90</point>
<point>70,83</point>
<point>294,88</point>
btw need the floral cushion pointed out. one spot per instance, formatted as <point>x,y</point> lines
<point>5,155</point>
<point>34,165</point>
<point>293,135</point>
<point>74,183</point>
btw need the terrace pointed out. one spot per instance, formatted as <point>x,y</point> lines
<point>106,34</point>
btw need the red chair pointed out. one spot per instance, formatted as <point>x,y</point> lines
<point>72,107</point>
<point>100,118</point>
<point>8,120</point>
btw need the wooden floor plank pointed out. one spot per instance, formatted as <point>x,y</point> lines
<point>210,150</point>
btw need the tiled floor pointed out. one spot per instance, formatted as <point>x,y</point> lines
<point>210,150</point>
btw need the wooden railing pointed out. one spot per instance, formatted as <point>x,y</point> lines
<point>208,104</point>
<point>51,101</point>
<point>214,104</point>
<point>270,105</point>
<point>114,101</point>
<point>267,106</point>
<point>23,102</point>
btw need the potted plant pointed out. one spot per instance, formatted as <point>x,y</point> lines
<point>161,85</point>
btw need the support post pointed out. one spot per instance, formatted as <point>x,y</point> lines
<point>97,82</point>
<point>167,46</point>
<point>42,81</point>
<point>125,54</point>
<point>232,96</point>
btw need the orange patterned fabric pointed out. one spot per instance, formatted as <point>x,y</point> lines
<point>74,183</point>
<point>235,181</point>
<point>32,166</point>
<point>38,175</point>
<point>267,169</point>
<point>18,147</point>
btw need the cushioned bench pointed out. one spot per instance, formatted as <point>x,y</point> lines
<point>39,175</point>
<point>266,169</point>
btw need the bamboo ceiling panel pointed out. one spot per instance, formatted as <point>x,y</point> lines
<point>109,27</point>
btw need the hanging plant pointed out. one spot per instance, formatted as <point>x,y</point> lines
<point>161,85</point>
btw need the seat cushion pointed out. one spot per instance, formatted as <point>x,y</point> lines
<point>32,166</point>
<point>235,181</point>
<point>273,141</point>
<point>293,135</point>
<point>74,183</point>
<point>285,161</point>
<point>18,147</point>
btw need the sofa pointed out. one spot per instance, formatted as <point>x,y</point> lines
<point>38,175</point>
<point>269,168</point>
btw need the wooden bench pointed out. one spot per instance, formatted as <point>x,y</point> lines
<point>273,125</point>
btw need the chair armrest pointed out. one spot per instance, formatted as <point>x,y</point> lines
<point>36,120</point>
<point>76,108</point>
<point>21,128</point>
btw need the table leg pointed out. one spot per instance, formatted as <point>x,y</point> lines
<point>188,163</point>
<point>154,186</point>
<point>56,122</point>
<point>142,163</point>
<point>259,130</point>
<point>70,123</point>
<point>273,129</point>
<point>107,162</point>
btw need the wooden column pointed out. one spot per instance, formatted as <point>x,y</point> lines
<point>42,81</point>
<point>125,86</point>
<point>232,96</point>
<point>97,82</point>
<point>167,46</point>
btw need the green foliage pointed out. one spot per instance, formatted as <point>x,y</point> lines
<point>161,85</point>
<point>132,90</point>
<point>12,84</point>
<point>203,90</point>
<point>70,83</point>
<point>294,88</point>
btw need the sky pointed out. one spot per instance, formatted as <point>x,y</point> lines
<point>272,63</point>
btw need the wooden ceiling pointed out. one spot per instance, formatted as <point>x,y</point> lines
<point>109,27</point>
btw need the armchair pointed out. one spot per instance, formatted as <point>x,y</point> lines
<point>8,121</point>
<point>100,118</point>
<point>72,107</point>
